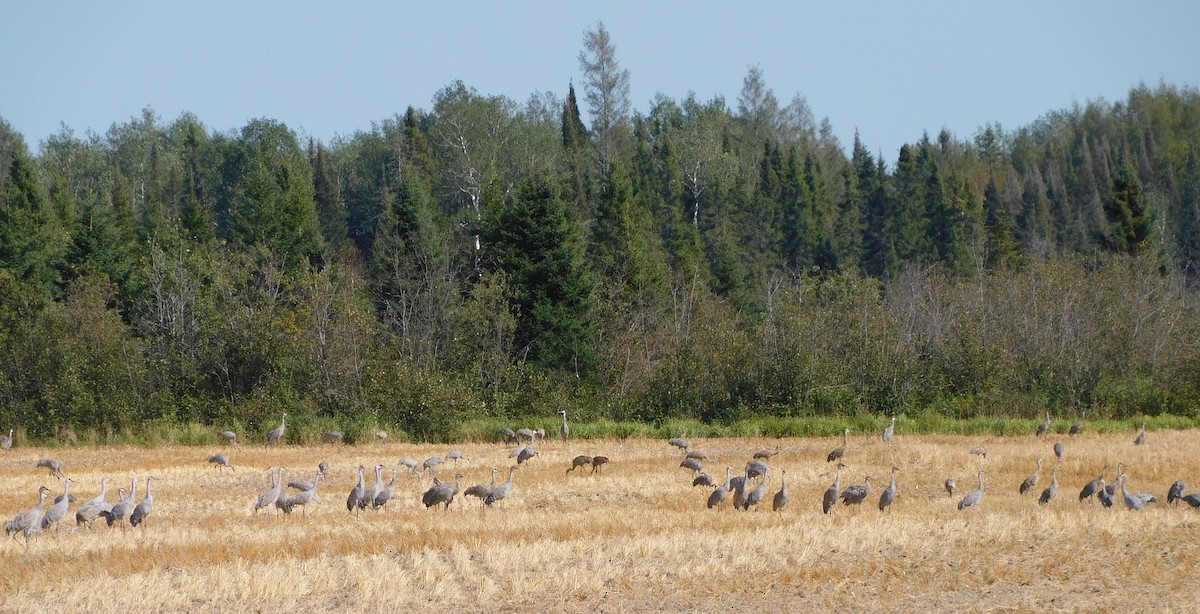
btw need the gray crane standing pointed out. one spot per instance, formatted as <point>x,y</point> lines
<point>577,462</point>
<point>839,452</point>
<point>270,495</point>
<point>703,480</point>
<point>58,511</point>
<point>949,484</point>
<point>1044,426</point>
<point>974,497</point>
<point>481,491</point>
<point>230,437</point>
<point>692,465</point>
<point>331,437</point>
<point>755,496</point>
<point>369,494</point>
<point>755,468</point>
<point>781,497</point>
<point>1140,440</point>
<point>699,455</point>
<point>739,490</point>
<point>526,453</point>
<point>121,509</point>
<point>888,496</point>
<point>509,435</point>
<point>1105,497</point>
<point>565,431</point>
<point>306,495</point>
<point>1091,488</point>
<point>598,462</point>
<point>54,465</point>
<point>855,495</point>
<point>889,431</point>
<point>143,509</point>
<point>455,455</point>
<point>680,442</point>
<point>1192,500</point>
<point>831,493</point>
<point>221,461</point>
<point>384,495</point>
<point>1132,502</point>
<point>29,521</point>
<point>1051,490</point>
<point>1176,491</point>
<point>412,463</point>
<point>443,492</point>
<point>500,492</point>
<point>6,442</point>
<point>92,508</point>
<point>430,463</point>
<point>767,454</point>
<point>275,435</point>
<point>356,493</point>
<point>1059,450</point>
<point>1077,427</point>
<point>1032,480</point>
<point>722,492</point>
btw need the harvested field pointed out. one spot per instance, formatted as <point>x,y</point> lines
<point>636,536</point>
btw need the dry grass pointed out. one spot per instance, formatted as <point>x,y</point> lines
<point>637,537</point>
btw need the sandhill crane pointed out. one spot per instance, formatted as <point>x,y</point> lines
<point>503,490</point>
<point>703,480</point>
<point>306,496</point>
<point>755,496</point>
<point>739,490</point>
<point>356,493</point>
<point>1051,490</point>
<point>856,494</point>
<point>598,462</point>
<point>1059,450</point>
<point>121,509</point>
<point>1140,440</point>
<point>411,463</point>
<point>680,442</point>
<point>949,484</point>
<point>699,455</point>
<point>781,497</point>
<point>455,455</point>
<point>54,465</point>
<point>443,492</point>
<point>889,494</point>
<point>579,461</point>
<point>722,491</point>
<point>143,509</point>
<point>692,465</point>
<point>1044,426</point>
<point>270,495</point>
<point>6,441</point>
<point>767,454</point>
<point>565,430</point>
<point>1091,488</point>
<point>974,497</point>
<point>323,467</point>
<point>889,431</point>
<point>28,521</point>
<point>1192,500</point>
<point>979,451</point>
<point>368,494</point>
<point>1176,491</point>
<point>839,452</point>
<point>381,436</point>
<point>221,461</point>
<point>481,491</point>
<point>331,437</point>
<point>92,508</point>
<point>430,463</point>
<point>1032,480</point>
<point>509,435</point>
<point>1132,502</point>
<point>230,437</point>
<point>755,468</point>
<point>1077,427</point>
<point>1105,497</point>
<point>529,434</point>
<point>58,511</point>
<point>526,453</point>
<point>831,493</point>
<point>275,435</point>
<point>384,495</point>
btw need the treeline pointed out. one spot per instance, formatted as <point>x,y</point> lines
<point>486,258</point>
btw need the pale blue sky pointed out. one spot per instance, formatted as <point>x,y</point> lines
<point>890,70</point>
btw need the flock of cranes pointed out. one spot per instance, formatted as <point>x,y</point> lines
<point>746,490</point>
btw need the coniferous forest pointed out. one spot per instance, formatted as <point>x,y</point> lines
<point>491,258</point>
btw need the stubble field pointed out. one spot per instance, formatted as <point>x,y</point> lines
<point>635,537</point>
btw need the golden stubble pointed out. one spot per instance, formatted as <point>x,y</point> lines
<point>635,537</point>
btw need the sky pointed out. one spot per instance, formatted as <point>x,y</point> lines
<point>892,71</point>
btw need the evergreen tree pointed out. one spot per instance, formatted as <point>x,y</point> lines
<point>1128,220</point>
<point>331,209</point>
<point>33,244</point>
<point>536,244</point>
<point>1001,246</point>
